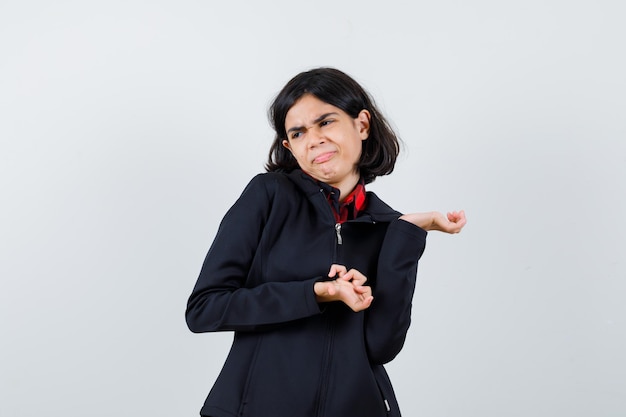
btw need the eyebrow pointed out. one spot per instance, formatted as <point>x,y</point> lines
<point>316,121</point>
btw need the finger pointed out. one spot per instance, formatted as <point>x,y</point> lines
<point>460,221</point>
<point>347,276</point>
<point>454,216</point>
<point>357,277</point>
<point>336,270</point>
<point>363,289</point>
<point>333,271</point>
<point>362,305</point>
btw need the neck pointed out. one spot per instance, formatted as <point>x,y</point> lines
<point>346,186</point>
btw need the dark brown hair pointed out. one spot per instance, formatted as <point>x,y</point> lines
<point>380,150</point>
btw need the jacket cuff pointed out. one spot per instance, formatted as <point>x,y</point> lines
<point>309,296</point>
<point>409,228</point>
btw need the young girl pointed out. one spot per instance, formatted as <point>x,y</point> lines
<point>313,274</point>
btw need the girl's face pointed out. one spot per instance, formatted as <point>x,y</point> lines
<point>325,140</point>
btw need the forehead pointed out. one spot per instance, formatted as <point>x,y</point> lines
<point>307,109</point>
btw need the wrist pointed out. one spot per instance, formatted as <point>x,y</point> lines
<point>323,293</point>
<point>422,220</point>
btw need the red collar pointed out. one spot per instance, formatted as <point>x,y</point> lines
<point>351,206</point>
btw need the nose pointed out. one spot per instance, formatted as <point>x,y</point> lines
<point>315,136</point>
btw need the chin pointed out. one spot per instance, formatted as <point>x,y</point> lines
<point>326,176</point>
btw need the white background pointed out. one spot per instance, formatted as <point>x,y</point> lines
<point>127,129</point>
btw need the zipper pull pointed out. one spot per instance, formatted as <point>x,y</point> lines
<point>338,230</point>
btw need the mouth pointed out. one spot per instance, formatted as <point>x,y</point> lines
<point>321,158</point>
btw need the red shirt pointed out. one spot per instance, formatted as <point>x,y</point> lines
<point>351,206</point>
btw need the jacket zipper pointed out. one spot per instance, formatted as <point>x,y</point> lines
<point>338,231</point>
<point>323,389</point>
<point>322,393</point>
<point>327,359</point>
<point>337,225</point>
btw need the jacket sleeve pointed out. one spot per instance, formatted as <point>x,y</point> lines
<point>220,299</point>
<point>389,317</point>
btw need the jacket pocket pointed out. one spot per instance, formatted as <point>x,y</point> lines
<point>386,390</point>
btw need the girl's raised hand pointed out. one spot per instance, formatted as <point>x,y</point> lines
<point>452,222</point>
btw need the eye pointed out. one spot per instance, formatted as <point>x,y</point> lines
<point>296,135</point>
<point>326,122</point>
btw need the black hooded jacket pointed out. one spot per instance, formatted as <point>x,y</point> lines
<point>292,356</point>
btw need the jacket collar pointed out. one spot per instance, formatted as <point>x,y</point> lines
<point>376,210</point>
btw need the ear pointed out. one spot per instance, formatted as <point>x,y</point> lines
<point>363,123</point>
<point>287,145</point>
